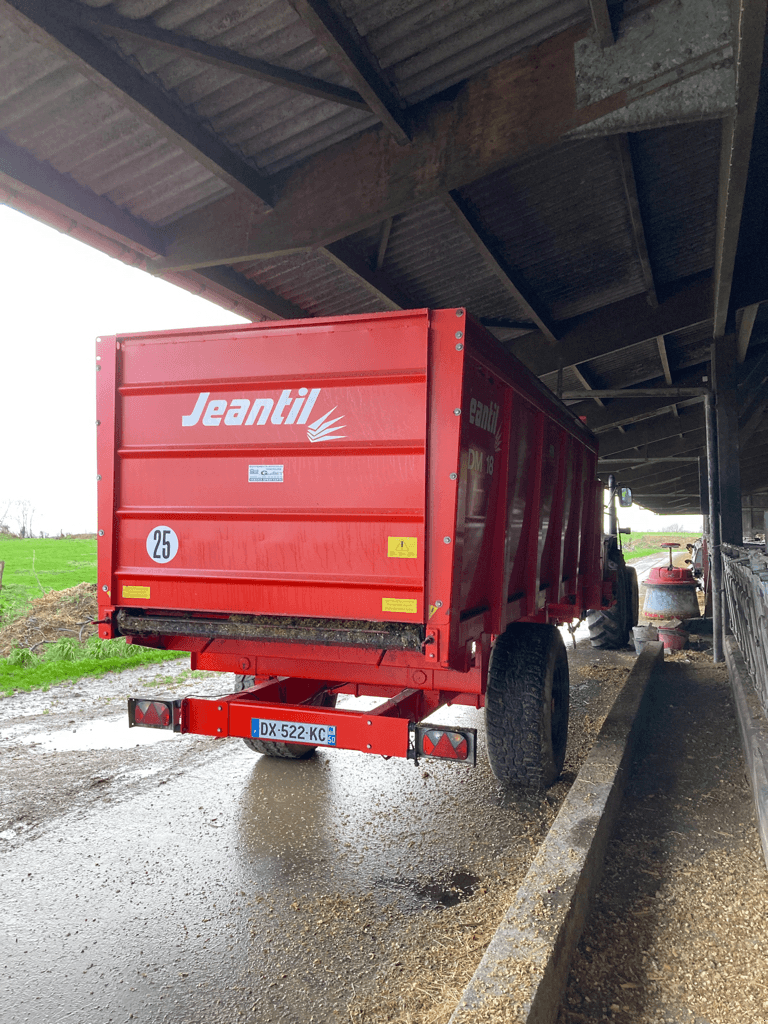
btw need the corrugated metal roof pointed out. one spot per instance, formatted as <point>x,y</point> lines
<point>625,367</point>
<point>271,125</point>
<point>571,382</point>
<point>426,47</point>
<point>561,218</point>
<point>314,282</point>
<point>430,258</point>
<point>676,170</point>
<point>58,116</point>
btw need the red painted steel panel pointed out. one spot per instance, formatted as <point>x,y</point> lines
<point>411,471</point>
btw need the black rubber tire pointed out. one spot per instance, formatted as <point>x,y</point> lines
<point>526,705</point>
<point>633,592</point>
<point>609,628</point>
<point>292,751</point>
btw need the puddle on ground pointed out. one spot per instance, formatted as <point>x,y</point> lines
<point>99,734</point>
<point>447,892</point>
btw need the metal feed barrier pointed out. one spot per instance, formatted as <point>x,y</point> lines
<point>745,579</point>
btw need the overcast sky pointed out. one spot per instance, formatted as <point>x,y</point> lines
<point>58,295</point>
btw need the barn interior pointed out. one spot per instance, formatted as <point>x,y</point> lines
<point>587,178</point>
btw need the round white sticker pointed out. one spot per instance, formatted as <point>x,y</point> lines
<point>162,544</point>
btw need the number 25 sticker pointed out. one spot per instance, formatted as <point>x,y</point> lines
<point>162,544</point>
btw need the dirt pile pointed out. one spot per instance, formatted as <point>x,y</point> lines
<point>59,614</point>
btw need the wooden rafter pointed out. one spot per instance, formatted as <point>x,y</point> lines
<point>36,188</point>
<point>581,375</point>
<point>497,117</point>
<point>625,416</point>
<point>509,277</point>
<point>338,35</point>
<point>745,331</point>
<point>627,169</point>
<point>601,22</point>
<point>735,153</point>
<point>100,64</point>
<point>571,395</point>
<point>381,252</point>
<point>144,30</point>
<point>346,258</point>
<point>664,357</point>
<point>665,428</point>
<point>617,326</point>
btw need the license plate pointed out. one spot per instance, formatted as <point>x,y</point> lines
<point>293,732</point>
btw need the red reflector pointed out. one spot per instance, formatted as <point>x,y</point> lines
<point>153,713</point>
<point>439,743</point>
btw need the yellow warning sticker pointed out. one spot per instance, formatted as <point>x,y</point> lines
<point>402,547</point>
<point>399,604</point>
<point>142,592</point>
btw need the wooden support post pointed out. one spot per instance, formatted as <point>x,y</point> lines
<point>715,555</point>
<point>727,411</point>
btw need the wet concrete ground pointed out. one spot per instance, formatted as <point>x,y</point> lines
<point>188,879</point>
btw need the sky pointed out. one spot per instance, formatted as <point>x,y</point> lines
<point>57,295</point>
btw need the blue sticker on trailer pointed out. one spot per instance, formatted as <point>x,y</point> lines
<point>293,732</point>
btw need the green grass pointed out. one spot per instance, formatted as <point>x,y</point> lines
<point>639,545</point>
<point>36,567</point>
<point>67,659</point>
<point>33,567</point>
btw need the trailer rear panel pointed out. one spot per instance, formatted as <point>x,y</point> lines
<point>334,489</point>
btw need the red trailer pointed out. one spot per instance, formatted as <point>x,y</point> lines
<point>386,505</point>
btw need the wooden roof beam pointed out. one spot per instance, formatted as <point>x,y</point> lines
<point>618,416</point>
<point>136,91</point>
<point>601,22</point>
<point>745,331</point>
<point>666,428</point>
<point>582,377</point>
<point>735,153</point>
<point>39,190</point>
<point>617,326</point>
<point>492,120</point>
<point>635,393</point>
<point>509,277</point>
<point>352,263</point>
<point>664,359</point>
<point>144,30</point>
<point>626,167</point>
<point>338,35</point>
<point>381,251</point>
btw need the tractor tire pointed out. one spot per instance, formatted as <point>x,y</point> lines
<point>633,590</point>
<point>293,751</point>
<point>610,627</point>
<point>526,705</point>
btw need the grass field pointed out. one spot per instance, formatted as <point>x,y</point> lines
<point>33,567</point>
<point>638,545</point>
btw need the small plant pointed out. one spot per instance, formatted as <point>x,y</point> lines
<point>64,650</point>
<point>22,657</point>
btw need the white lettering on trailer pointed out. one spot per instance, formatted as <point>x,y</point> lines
<point>485,416</point>
<point>285,411</point>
